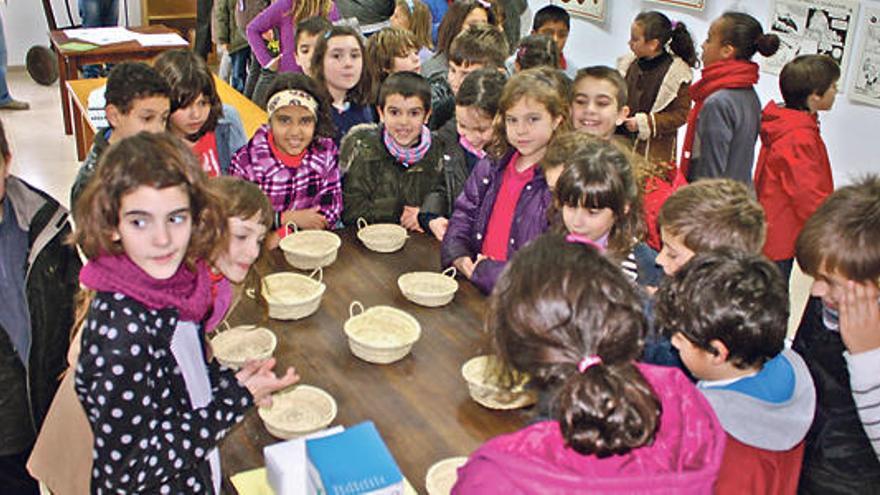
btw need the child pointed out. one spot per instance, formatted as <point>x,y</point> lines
<point>612,425</point>
<point>136,100</point>
<point>554,21</point>
<point>392,167</point>
<point>535,50</point>
<point>727,313</point>
<point>211,129</point>
<point>461,15</point>
<point>338,65</point>
<point>415,17</point>
<point>144,225</point>
<point>658,82</point>
<point>723,124</point>
<point>391,50</point>
<point>504,202</point>
<point>294,159</point>
<point>595,191</point>
<point>231,41</point>
<point>307,33</point>
<point>249,216</point>
<point>464,142</point>
<point>793,175</point>
<point>839,338</point>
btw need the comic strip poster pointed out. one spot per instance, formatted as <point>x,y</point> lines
<point>590,9</point>
<point>865,82</point>
<point>811,26</point>
<point>690,4</point>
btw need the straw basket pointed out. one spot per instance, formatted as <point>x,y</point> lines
<point>298,411</point>
<point>381,334</point>
<point>429,288</point>
<point>484,389</point>
<point>310,249</point>
<point>292,296</point>
<point>237,345</point>
<point>381,237</point>
<point>442,475</point>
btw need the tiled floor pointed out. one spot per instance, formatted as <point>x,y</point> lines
<point>46,158</point>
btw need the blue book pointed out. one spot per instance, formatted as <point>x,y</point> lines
<point>353,462</point>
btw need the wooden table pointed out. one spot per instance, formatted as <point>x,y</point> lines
<point>420,404</point>
<point>69,61</point>
<point>252,116</point>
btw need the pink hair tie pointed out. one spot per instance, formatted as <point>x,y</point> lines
<point>588,362</point>
<point>576,238</point>
<point>484,4</point>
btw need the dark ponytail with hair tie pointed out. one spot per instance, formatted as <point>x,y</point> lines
<point>745,34</point>
<point>656,26</point>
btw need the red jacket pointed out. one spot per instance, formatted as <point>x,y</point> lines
<point>793,175</point>
<point>747,469</point>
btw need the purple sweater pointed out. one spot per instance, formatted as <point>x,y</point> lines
<point>314,183</point>
<point>467,226</point>
<point>276,16</point>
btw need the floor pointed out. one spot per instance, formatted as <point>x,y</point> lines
<point>46,158</point>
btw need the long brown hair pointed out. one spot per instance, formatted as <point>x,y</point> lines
<point>303,9</point>
<point>362,92</point>
<point>189,77</point>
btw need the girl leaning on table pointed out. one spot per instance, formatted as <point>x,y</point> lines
<point>293,158</point>
<point>157,408</point>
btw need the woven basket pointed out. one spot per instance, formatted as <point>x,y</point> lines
<point>442,475</point>
<point>381,334</point>
<point>381,237</point>
<point>298,411</point>
<point>236,346</point>
<point>310,249</point>
<point>429,288</point>
<point>292,296</point>
<point>484,389</point>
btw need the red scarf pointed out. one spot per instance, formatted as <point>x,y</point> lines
<point>725,74</point>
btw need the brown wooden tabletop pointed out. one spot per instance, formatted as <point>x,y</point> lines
<point>420,404</point>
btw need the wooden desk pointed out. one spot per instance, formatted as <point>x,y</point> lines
<point>252,116</point>
<point>420,404</point>
<point>70,61</point>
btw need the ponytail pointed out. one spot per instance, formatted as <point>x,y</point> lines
<point>745,34</point>
<point>682,44</point>
<point>767,44</point>
<point>656,26</point>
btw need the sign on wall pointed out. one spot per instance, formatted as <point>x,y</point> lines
<point>590,9</point>
<point>690,4</point>
<point>865,86</point>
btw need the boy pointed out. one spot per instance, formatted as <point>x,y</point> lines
<point>231,41</point>
<point>727,312</point>
<point>137,99</point>
<point>552,21</point>
<point>477,47</point>
<point>39,275</point>
<point>307,33</point>
<point>392,167</point>
<point>598,101</point>
<point>793,175</point>
<point>839,338</point>
<point>391,50</point>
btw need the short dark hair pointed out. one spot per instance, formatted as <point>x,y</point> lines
<point>604,73</point>
<point>296,80</point>
<point>479,44</point>
<point>804,76</point>
<point>551,13</point>
<point>406,84</point>
<point>730,295</point>
<point>189,77</point>
<point>312,25</point>
<point>130,81</point>
<point>481,89</point>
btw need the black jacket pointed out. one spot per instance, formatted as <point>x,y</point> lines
<point>51,281</point>
<point>457,165</point>
<point>838,457</point>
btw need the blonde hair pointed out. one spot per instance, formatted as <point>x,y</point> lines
<point>303,9</point>
<point>419,21</point>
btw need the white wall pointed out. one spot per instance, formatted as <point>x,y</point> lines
<point>849,129</point>
<point>25,24</point>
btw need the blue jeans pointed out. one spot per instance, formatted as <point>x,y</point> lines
<point>5,97</point>
<point>240,61</point>
<point>97,13</point>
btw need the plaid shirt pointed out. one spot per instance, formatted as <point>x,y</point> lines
<point>314,183</point>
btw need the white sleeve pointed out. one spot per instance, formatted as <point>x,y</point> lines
<point>864,379</point>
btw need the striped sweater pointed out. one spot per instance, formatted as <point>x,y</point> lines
<point>864,379</point>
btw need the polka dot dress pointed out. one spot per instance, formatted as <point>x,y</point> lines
<point>148,438</point>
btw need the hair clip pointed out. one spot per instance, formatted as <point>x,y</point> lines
<point>579,239</point>
<point>485,4</point>
<point>521,52</point>
<point>675,25</point>
<point>327,34</point>
<point>410,6</point>
<point>588,362</point>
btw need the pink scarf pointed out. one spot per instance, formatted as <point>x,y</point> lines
<point>408,156</point>
<point>470,148</point>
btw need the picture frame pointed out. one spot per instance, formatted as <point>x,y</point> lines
<point>590,9</point>
<point>688,4</point>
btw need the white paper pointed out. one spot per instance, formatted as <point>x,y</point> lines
<point>866,74</point>
<point>287,463</point>
<point>101,36</point>
<point>812,26</point>
<point>163,39</point>
<point>591,9</point>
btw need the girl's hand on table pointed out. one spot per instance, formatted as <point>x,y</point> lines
<point>261,381</point>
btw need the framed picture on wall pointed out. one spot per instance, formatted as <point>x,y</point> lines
<point>690,4</point>
<point>865,82</point>
<point>590,9</point>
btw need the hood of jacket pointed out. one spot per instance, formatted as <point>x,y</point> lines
<point>778,121</point>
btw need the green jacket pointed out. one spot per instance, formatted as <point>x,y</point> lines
<point>377,186</point>
<point>225,28</point>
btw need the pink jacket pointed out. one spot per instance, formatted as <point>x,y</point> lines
<point>685,456</point>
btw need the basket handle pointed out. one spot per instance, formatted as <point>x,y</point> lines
<point>450,272</point>
<point>361,223</point>
<point>352,306</point>
<point>320,272</point>
<point>287,227</point>
<point>251,292</point>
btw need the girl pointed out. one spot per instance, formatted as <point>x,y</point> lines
<point>338,66</point>
<point>464,139</point>
<point>460,16</point>
<point>391,50</point>
<point>293,158</point>
<point>415,17</point>
<point>597,196</point>
<point>282,16</point>
<point>504,202</point>
<point>156,407</point>
<point>612,425</point>
<point>211,129</point>
<point>536,50</point>
<point>722,127</point>
<point>658,75</point>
